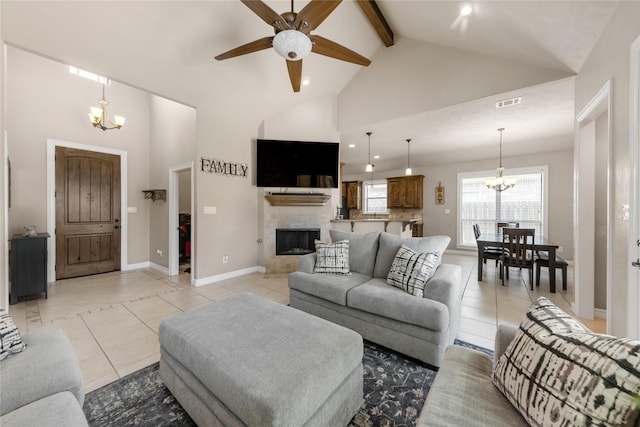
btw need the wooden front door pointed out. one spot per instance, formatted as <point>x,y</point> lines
<point>87,212</point>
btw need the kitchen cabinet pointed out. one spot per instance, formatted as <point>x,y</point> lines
<point>405,192</point>
<point>352,190</point>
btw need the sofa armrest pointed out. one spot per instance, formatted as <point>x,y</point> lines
<point>307,262</point>
<point>504,335</point>
<point>47,366</point>
<point>445,286</point>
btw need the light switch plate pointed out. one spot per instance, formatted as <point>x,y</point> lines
<point>210,210</point>
<point>132,209</point>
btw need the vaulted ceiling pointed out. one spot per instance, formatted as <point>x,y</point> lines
<point>168,48</point>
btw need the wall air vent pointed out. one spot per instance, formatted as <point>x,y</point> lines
<point>509,102</point>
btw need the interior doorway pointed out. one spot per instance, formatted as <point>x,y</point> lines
<point>592,209</point>
<point>181,220</point>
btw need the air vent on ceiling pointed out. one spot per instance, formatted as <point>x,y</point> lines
<point>509,102</point>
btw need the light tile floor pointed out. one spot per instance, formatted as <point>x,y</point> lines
<point>112,319</point>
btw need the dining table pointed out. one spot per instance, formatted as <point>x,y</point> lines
<point>540,243</point>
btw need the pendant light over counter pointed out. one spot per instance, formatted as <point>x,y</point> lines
<point>370,166</point>
<point>408,171</point>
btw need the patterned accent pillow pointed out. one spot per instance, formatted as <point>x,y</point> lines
<point>10,339</point>
<point>411,270</point>
<point>557,372</point>
<point>332,257</point>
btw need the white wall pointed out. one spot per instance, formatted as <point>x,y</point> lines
<point>173,142</point>
<point>45,101</point>
<point>609,59</point>
<point>436,222</point>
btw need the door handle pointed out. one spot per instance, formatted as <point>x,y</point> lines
<point>117,227</point>
<point>636,263</point>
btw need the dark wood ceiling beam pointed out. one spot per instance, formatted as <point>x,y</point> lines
<point>375,16</point>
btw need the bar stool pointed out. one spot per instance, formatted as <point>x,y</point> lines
<point>542,260</point>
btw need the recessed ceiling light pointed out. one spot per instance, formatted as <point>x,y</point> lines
<point>376,157</point>
<point>306,80</point>
<point>352,145</point>
<point>465,9</point>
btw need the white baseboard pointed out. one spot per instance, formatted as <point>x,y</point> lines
<point>599,313</point>
<point>136,266</point>
<point>230,275</point>
<point>160,268</point>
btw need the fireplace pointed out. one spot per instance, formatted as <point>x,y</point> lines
<point>296,241</point>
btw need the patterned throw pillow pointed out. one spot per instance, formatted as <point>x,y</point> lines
<point>10,339</point>
<point>332,257</point>
<point>411,270</point>
<point>557,372</point>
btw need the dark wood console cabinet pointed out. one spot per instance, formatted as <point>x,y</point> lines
<point>28,266</point>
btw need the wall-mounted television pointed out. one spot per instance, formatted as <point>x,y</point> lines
<point>297,164</point>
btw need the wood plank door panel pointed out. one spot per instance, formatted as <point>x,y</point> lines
<point>87,212</point>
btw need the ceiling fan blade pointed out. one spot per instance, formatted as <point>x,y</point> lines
<point>331,49</point>
<point>295,74</point>
<point>314,13</point>
<point>254,46</point>
<point>267,14</point>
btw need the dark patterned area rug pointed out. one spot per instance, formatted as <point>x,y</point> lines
<point>395,388</point>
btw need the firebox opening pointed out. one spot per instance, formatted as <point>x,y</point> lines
<point>296,241</point>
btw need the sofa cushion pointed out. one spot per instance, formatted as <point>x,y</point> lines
<point>332,257</point>
<point>10,339</point>
<point>411,270</point>
<point>362,249</point>
<point>557,372</point>
<point>331,287</point>
<point>390,243</point>
<point>463,395</point>
<point>60,409</point>
<point>377,297</point>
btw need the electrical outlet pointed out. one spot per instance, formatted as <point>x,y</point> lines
<point>159,252</point>
<point>225,259</point>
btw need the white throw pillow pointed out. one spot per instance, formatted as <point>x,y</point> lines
<point>332,257</point>
<point>411,270</point>
<point>10,339</point>
<point>557,372</point>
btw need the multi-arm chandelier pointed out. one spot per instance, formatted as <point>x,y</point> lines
<point>500,183</point>
<point>100,119</point>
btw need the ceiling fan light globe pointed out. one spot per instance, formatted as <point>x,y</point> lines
<point>292,45</point>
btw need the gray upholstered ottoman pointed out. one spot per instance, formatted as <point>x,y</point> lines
<point>248,361</point>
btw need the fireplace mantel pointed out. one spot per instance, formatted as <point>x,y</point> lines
<point>311,199</point>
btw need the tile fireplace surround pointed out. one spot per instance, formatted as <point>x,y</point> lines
<point>283,217</point>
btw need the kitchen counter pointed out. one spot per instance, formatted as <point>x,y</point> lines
<point>400,227</point>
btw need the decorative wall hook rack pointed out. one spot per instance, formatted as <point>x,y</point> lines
<point>155,194</point>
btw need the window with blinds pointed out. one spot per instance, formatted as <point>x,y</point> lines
<point>375,196</point>
<point>524,204</point>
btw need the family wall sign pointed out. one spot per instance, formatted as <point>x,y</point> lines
<point>222,167</point>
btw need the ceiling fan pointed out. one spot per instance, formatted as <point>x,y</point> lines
<point>292,40</point>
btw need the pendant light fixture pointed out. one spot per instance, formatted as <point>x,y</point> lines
<point>500,183</point>
<point>100,119</point>
<point>408,171</point>
<point>369,167</point>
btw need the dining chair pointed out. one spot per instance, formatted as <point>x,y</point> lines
<point>542,260</point>
<point>517,247</point>
<point>488,252</point>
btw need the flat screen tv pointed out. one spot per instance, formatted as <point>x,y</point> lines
<point>297,164</point>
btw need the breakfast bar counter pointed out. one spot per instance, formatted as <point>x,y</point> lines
<point>400,227</point>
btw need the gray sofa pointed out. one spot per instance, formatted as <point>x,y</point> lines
<point>42,385</point>
<point>464,395</point>
<point>364,302</point>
